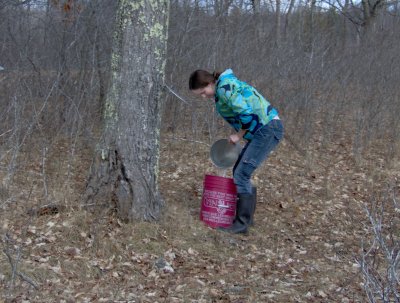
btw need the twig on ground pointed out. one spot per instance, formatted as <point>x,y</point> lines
<point>14,270</point>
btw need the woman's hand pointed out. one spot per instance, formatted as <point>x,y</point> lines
<point>235,138</point>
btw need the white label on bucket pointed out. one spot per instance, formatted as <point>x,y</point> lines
<point>218,194</point>
<point>218,208</point>
<point>223,206</point>
<point>217,199</point>
<point>215,217</point>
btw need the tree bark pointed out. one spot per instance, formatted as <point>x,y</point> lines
<point>125,170</point>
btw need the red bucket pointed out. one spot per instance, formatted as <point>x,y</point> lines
<point>218,205</point>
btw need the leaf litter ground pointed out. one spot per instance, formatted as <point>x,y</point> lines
<point>309,225</point>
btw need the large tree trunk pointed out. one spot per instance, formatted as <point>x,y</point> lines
<point>126,163</point>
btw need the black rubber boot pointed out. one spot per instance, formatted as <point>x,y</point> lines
<point>254,192</point>
<point>244,209</point>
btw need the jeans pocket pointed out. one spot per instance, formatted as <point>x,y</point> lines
<point>278,130</point>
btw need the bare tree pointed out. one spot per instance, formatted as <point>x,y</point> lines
<point>126,162</point>
<point>278,23</point>
<point>287,17</point>
<point>380,259</point>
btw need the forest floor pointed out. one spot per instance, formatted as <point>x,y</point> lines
<point>310,224</point>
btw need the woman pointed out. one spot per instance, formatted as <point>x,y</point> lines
<point>254,120</point>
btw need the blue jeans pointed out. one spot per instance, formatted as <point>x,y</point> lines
<point>254,153</point>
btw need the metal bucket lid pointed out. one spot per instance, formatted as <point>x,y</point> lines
<point>224,154</point>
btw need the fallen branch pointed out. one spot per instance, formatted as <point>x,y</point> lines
<point>14,266</point>
<point>28,280</point>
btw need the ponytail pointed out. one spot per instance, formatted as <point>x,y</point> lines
<point>216,75</point>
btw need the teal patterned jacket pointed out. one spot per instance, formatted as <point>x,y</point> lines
<point>241,105</point>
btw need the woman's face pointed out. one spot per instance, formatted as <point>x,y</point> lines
<point>205,92</point>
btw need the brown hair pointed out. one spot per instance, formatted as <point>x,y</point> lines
<point>201,78</point>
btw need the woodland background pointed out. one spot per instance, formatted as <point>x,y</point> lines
<point>327,221</point>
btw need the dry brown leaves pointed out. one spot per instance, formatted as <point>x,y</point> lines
<point>308,228</point>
